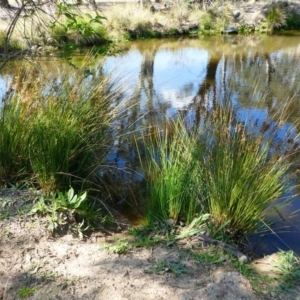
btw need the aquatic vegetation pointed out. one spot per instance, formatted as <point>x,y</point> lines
<point>221,168</point>
<point>207,22</point>
<point>215,20</point>
<point>241,179</point>
<point>171,174</point>
<point>54,133</point>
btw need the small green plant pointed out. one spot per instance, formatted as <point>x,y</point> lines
<point>26,291</point>
<point>207,22</point>
<point>78,28</point>
<point>120,246</point>
<point>148,242</point>
<point>197,225</point>
<point>67,209</point>
<point>4,202</point>
<point>289,266</point>
<point>209,255</point>
<point>145,237</point>
<point>163,266</point>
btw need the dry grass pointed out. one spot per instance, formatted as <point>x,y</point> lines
<point>131,16</point>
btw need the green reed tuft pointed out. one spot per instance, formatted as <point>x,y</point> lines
<point>56,129</point>
<point>241,178</point>
<point>220,168</point>
<point>171,173</point>
<point>14,136</point>
<point>276,17</point>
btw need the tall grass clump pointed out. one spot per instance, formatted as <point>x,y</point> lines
<point>14,163</point>
<point>241,178</point>
<point>170,173</point>
<point>276,17</point>
<point>56,127</point>
<point>223,167</point>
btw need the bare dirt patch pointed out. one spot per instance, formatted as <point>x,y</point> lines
<point>67,268</point>
<point>34,263</point>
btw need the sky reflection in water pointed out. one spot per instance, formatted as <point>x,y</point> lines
<point>193,75</point>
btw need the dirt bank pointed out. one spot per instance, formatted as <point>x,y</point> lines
<point>35,264</point>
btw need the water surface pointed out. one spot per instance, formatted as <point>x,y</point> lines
<point>259,75</point>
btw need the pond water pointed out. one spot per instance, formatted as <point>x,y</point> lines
<point>259,75</point>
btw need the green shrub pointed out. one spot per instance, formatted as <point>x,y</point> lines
<point>78,28</point>
<point>13,44</point>
<point>245,29</point>
<point>59,33</point>
<point>207,22</point>
<point>143,29</point>
<point>293,21</point>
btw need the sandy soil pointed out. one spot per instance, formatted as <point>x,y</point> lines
<point>66,267</point>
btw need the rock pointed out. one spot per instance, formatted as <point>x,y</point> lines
<point>186,28</point>
<point>236,14</point>
<point>268,265</point>
<point>34,48</point>
<point>220,10</point>
<point>50,40</point>
<point>230,29</point>
<point>243,259</point>
<point>170,222</point>
<point>152,9</point>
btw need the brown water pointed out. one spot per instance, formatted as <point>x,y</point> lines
<point>259,75</point>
